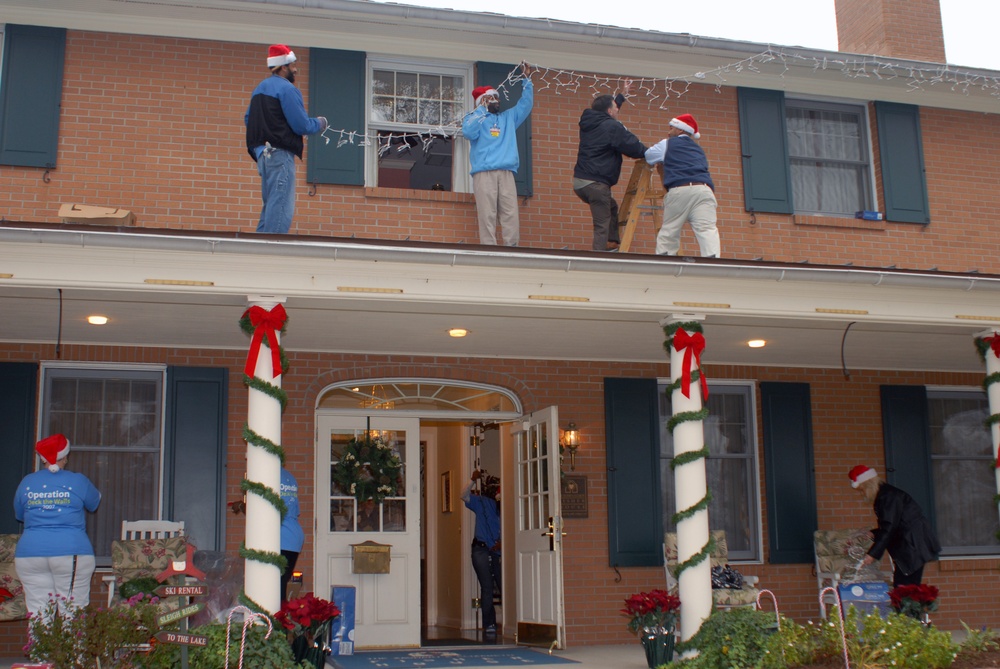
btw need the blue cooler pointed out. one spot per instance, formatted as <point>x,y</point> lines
<point>342,630</point>
<point>866,597</point>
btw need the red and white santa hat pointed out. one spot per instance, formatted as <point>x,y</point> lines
<point>53,449</point>
<point>686,123</point>
<point>860,474</point>
<point>481,92</point>
<point>278,55</point>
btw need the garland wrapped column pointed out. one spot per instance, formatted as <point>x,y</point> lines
<point>685,342</point>
<point>988,345</point>
<point>261,551</point>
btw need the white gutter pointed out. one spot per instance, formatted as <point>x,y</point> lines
<point>502,257</point>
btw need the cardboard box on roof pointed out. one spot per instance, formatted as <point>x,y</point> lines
<point>85,213</point>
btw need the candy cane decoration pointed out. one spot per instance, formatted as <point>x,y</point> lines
<point>248,619</point>
<point>840,617</point>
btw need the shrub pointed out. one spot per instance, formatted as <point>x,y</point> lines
<point>259,653</point>
<point>735,638</point>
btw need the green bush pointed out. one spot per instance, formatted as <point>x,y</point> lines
<point>272,653</point>
<point>731,639</point>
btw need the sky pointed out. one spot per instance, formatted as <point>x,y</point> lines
<point>970,26</point>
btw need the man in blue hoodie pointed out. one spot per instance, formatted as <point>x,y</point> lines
<point>603,141</point>
<point>276,120</point>
<point>494,160</point>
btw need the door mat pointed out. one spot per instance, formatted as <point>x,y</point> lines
<point>428,658</point>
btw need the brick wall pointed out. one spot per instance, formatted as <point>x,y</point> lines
<point>846,431</point>
<point>156,125</point>
<point>909,29</point>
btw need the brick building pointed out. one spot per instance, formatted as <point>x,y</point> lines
<point>870,324</point>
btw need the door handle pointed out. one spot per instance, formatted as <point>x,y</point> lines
<point>551,534</point>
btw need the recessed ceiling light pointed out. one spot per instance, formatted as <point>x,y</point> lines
<point>756,343</point>
<point>97,320</point>
<point>458,332</point>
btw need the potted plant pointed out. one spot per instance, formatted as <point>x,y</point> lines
<point>916,601</point>
<point>653,615</point>
<point>308,620</point>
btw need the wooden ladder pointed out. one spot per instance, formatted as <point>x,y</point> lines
<point>640,189</point>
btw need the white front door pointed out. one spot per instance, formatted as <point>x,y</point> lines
<point>539,570</point>
<point>388,605</point>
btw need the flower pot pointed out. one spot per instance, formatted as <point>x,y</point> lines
<point>304,649</point>
<point>659,647</point>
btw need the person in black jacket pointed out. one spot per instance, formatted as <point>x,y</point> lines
<point>276,120</point>
<point>603,141</point>
<point>903,530</point>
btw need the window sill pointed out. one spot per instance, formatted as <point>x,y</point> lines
<point>837,222</point>
<point>412,194</point>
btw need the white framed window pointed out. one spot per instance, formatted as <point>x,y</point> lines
<point>829,152</point>
<point>963,472</point>
<point>731,467</point>
<point>113,418</point>
<point>415,111</point>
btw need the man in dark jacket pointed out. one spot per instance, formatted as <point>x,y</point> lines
<point>903,530</point>
<point>276,120</point>
<point>603,140</point>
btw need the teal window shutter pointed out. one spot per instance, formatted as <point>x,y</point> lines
<point>31,95</point>
<point>788,462</point>
<point>337,91</point>
<point>901,148</point>
<point>635,513</point>
<point>18,395</point>
<point>907,441</point>
<point>492,74</point>
<point>767,180</point>
<point>194,457</point>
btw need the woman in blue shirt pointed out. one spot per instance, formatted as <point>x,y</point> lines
<point>54,556</point>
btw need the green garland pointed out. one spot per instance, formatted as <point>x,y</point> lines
<point>689,456</point>
<point>369,469</point>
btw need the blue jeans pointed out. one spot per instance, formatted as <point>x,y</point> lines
<point>486,563</point>
<point>276,168</point>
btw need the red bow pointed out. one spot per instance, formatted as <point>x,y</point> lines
<point>265,323</point>
<point>994,343</point>
<point>692,345</point>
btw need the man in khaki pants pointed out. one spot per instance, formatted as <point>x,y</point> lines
<point>690,191</point>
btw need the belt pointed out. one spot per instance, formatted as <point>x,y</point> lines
<point>477,542</point>
<point>690,183</point>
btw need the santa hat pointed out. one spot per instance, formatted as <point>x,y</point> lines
<point>483,91</point>
<point>278,55</point>
<point>53,449</point>
<point>860,474</point>
<point>686,123</point>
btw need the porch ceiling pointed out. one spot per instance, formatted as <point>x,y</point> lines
<point>189,290</point>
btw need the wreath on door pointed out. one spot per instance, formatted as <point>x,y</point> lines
<point>369,469</point>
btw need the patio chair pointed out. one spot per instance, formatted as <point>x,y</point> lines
<point>723,598</point>
<point>838,557</point>
<point>15,607</point>
<point>147,547</point>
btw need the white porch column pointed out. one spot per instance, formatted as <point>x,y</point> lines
<point>690,482</point>
<point>985,343</point>
<point>262,578</point>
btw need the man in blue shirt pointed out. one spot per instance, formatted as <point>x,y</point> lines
<point>493,159</point>
<point>486,544</point>
<point>276,120</point>
<point>292,536</point>
<point>690,191</point>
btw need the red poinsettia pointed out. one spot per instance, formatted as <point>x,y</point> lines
<point>653,609</point>
<point>912,600</point>
<point>306,613</point>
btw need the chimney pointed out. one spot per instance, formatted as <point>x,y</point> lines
<point>905,29</point>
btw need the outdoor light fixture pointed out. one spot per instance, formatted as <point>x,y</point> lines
<point>97,320</point>
<point>571,442</point>
<point>756,343</point>
<point>458,332</point>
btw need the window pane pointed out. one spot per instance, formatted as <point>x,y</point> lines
<point>730,468</point>
<point>347,514</point>
<point>828,153</point>
<point>411,161</point>
<point>963,472</point>
<point>112,418</point>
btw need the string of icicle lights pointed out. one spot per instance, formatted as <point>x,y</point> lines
<point>656,92</point>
